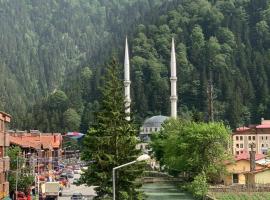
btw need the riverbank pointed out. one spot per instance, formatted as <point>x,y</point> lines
<point>164,191</point>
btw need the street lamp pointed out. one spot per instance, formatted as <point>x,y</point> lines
<point>38,150</point>
<point>139,159</point>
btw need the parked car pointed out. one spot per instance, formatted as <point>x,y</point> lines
<point>21,196</point>
<point>75,181</point>
<point>77,196</point>
<point>77,171</point>
<point>64,175</point>
<point>63,181</point>
<point>70,175</point>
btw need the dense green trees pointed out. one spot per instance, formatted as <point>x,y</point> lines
<point>110,142</point>
<point>44,44</point>
<point>25,175</point>
<point>222,39</point>
<point>62,45</point>
<point>197,150</point>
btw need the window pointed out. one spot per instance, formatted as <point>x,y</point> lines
<point>253,137</point>
<point>235,178</point>
<point>262,145</point>
<point>262,137</point>
<point>237,145</point>
<point>266,137</point>
<point>241,137</point>
<point>249,137</point>
<point>237,152</point>
<point>241,145</point>
<point>156,129</point>
<point>150,129</point>
<point>237,138</point>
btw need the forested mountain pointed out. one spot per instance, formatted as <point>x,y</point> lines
<point>48,45</point>
<point>225,42</point>
<point>44,42</point>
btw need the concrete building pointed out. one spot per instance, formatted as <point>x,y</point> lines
<point>243,137</point>
<point>239,167</point>
<point>4,160</point>
<point>258,177</point>
<point>42,149</point>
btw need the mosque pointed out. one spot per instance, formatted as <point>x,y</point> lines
<point>152,124</point>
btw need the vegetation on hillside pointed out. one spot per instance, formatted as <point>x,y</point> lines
<point>44,44</point>
<point>48,45</point>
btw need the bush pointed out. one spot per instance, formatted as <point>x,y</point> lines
<point>199,187</point>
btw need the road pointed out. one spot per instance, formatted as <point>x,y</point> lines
<point>87,192</point>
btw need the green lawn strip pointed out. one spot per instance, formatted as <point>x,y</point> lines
<point>242,196</point>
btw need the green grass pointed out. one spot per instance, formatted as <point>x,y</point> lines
<point>242,196</point>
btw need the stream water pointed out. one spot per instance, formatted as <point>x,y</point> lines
<point>164,191</point>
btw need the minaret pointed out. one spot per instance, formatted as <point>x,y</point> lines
<point>173,79</point>
<point>127,81</point>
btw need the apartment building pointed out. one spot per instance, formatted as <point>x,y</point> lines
<point>43,148</point>
<point>4,160</point>
<point>243,137</point>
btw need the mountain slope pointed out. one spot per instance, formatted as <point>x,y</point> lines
<point>44,41</point>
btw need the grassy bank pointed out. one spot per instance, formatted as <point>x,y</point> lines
<point>241,196</point>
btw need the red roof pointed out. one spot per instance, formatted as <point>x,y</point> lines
<point>243,128</point>
<point>37,141</point>
<point>263,126</point>
<point>245,156</point>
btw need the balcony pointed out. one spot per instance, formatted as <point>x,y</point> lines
<point>3,139</point>
<point>4,164</point>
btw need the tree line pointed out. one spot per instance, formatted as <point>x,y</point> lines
<point>225,43</point>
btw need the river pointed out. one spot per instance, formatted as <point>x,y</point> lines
<point>164,191</point>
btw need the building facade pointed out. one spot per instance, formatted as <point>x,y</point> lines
<point>150,126</point>
<point>237,168</point>
<point>243,137</point>
<point>4,159</point>
<point>43,150</point>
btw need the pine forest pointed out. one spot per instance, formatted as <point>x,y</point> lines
<point>53,54</point>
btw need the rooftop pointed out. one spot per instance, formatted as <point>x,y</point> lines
<point>245,156</point>
<point>43,140</point>
<point>265,124</point>
<point>155,121</point>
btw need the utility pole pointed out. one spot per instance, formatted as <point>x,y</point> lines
<point>17,169</point>
<point>210,99</point>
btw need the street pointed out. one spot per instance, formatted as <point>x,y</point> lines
<point>87,192</point>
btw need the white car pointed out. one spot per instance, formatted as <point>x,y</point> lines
<point>77,171</point>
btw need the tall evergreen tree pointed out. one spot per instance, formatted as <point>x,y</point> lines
<point>111,142</point>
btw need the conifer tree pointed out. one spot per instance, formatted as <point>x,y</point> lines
<point>111,142</point>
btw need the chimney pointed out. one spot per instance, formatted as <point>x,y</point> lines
<point>252,158</point>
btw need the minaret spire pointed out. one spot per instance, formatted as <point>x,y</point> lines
<point>173,79</point>
<point>127,80</point>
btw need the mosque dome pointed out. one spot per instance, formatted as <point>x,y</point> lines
<point>155,121</point>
